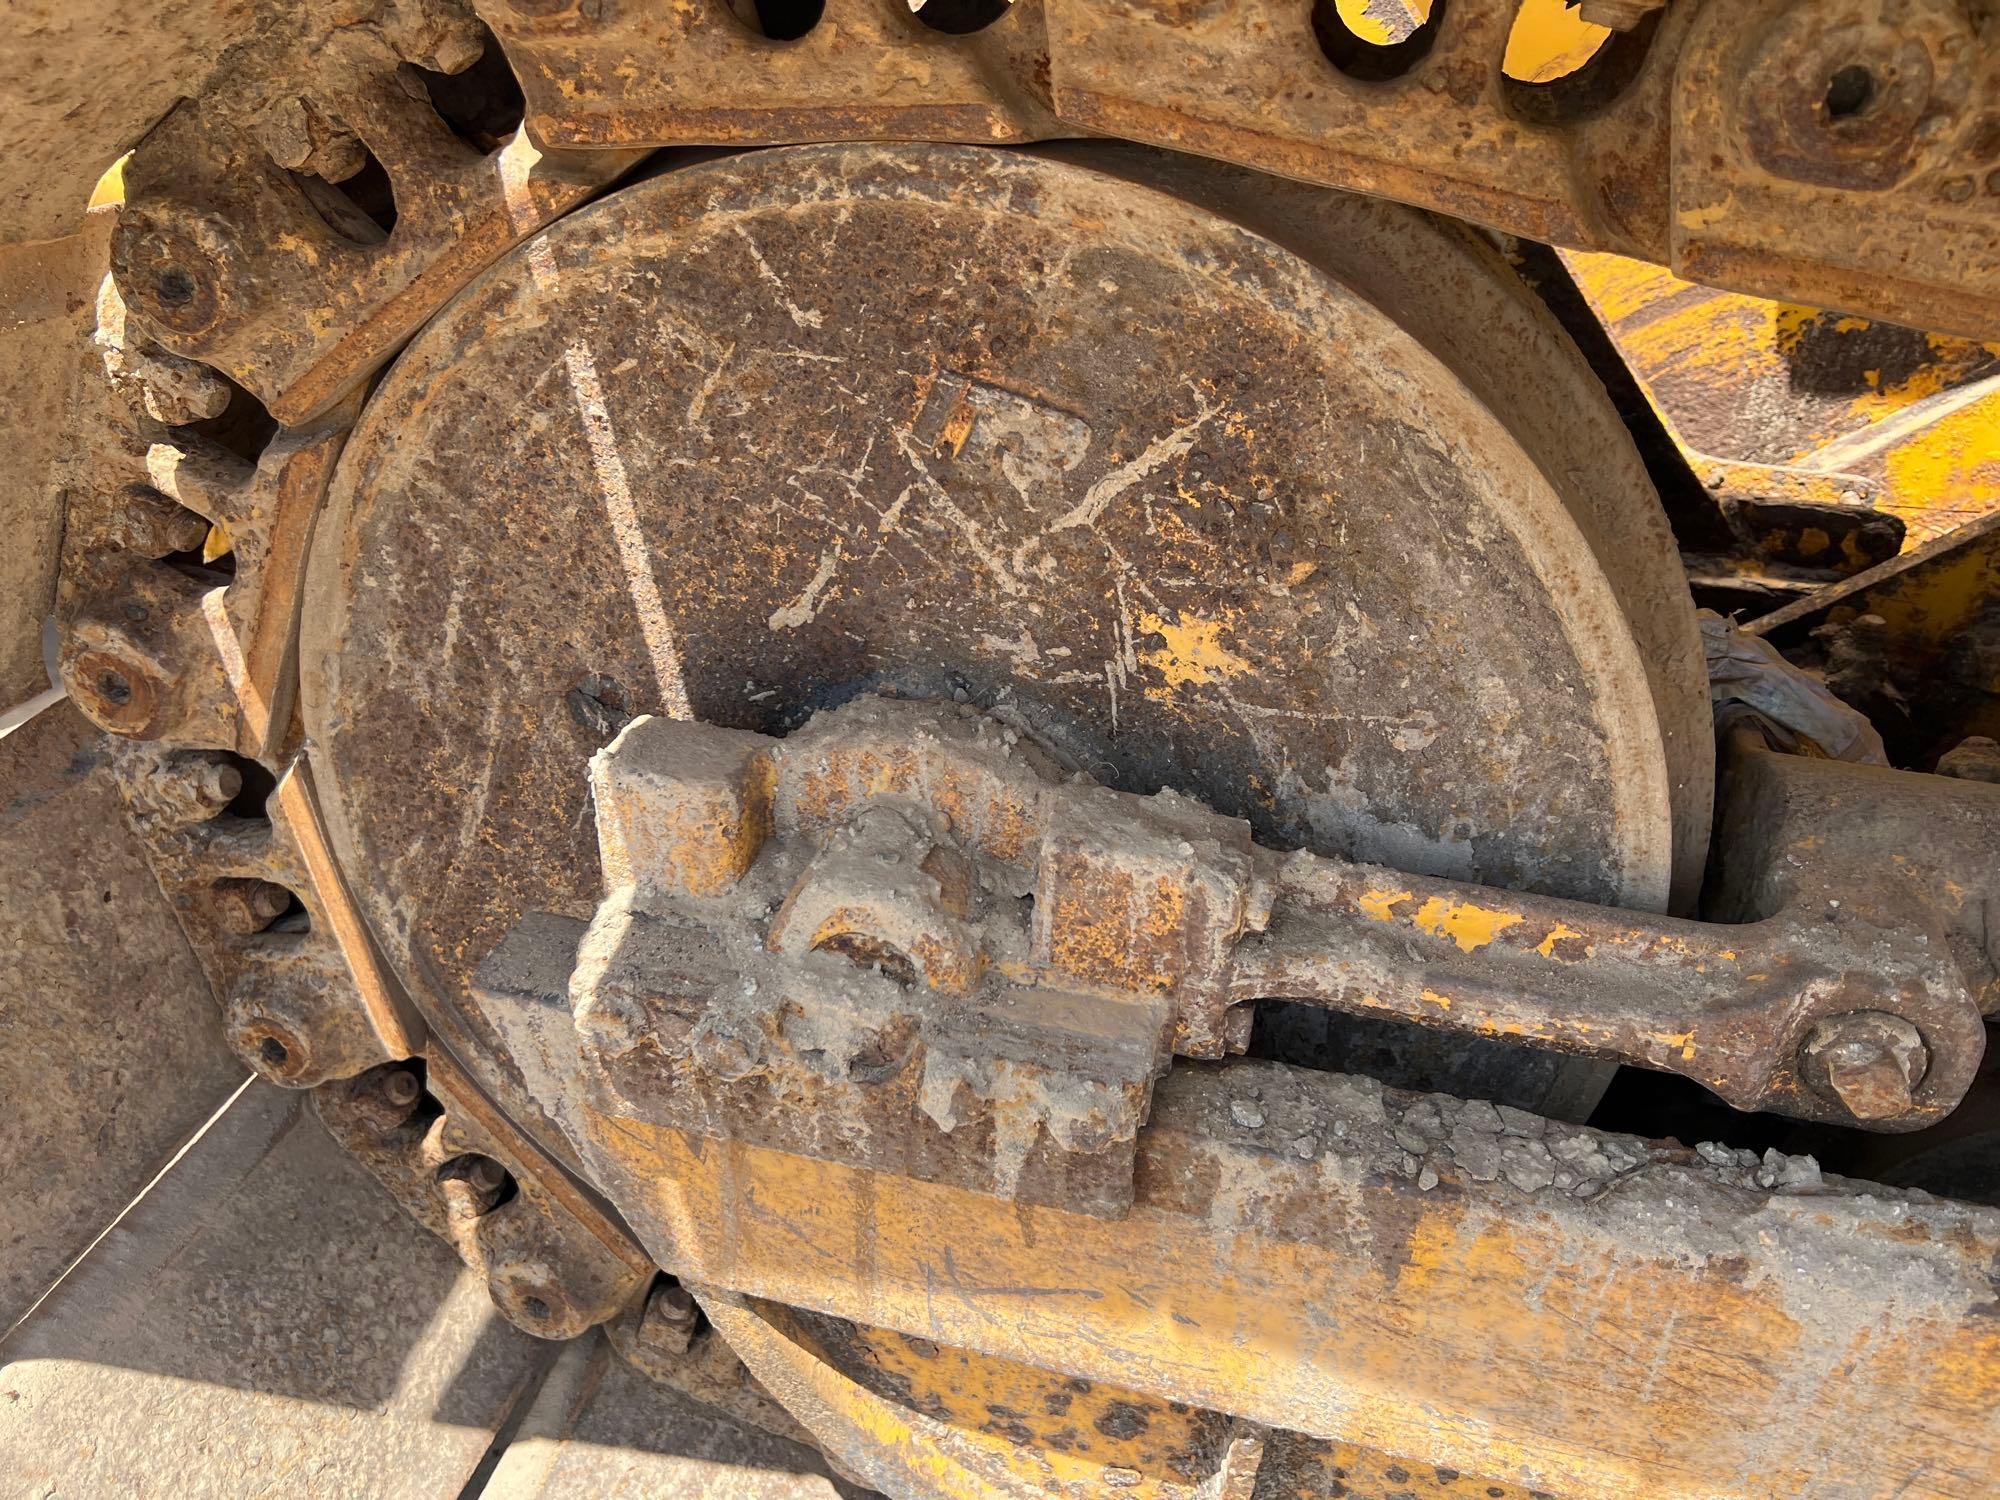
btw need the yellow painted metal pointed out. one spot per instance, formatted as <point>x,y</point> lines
<point>892,1445</point>
<point>110,188</point>
<point>1344,1471</point>
<point>1550,40</point>
<point>1556,1341</point>
<point>1909,421</point>
<point>918,1419</point>
<point>1948,472</point>
<point>1383,22</point>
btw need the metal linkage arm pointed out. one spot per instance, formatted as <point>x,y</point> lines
<point>901,939</point>
<point>1843,1007</point>
<point>1844,979</point>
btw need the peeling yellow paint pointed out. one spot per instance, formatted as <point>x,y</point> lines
<point>111,186</point>
<point>1547,946</point>
<point>1465,924</point>
<point>1550,40</point>
<point>1443,1002</point>
<point>1381,905</point>
<point>1384,22</point>
<point>1683,1041</point>
<point>1193,653</point>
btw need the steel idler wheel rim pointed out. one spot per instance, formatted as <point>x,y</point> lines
<point>752,437</point>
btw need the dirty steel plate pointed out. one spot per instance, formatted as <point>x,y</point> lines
<point>755,436</point>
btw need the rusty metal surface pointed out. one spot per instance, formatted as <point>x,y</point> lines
<point>157,644</point>
<point>84,80</point>
<point>266,1320</point>
<point>555,1262</point>
<point>1032,1085</point>
<point>100,1000</point>
<point>1318,1164</point>
<point>195,667</point>
<point>1846,891</point>
<point>154,649</point>
<point>818,946</point>
<point>641,75</point>
<point>707,1371</point>
<point>1788,117</point>
<point>1516,358</point>
<point>303,994</point>
<point>1679,108</point>
<point>1932,836</point>
<point>1558,1308</point>
<point>1027,503</point>
<point>1017,435</point>
<point>219,250</point>
<point>1703,139</point>
<point>1247,80</point>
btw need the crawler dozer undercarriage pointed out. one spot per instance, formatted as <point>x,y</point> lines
<point>1179,748</point>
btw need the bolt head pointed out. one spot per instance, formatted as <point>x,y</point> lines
<point>1870,1061</point>
<point>486,1175</point>
<point>401,1087</point>
<point>389,1097</point>
<point>174,266</point>
<point>670,1321</point>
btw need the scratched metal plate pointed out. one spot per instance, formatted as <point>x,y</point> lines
<point>755,436</point>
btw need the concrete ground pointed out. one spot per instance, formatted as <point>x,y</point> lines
<point>266,1322</point>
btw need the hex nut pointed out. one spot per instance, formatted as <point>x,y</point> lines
<point>1870,1061</point>
<point>388,1096</point>
<point>670,1321</point>
<point>473,1186</point>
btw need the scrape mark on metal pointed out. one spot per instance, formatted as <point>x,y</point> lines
<point>802,610</point>
<point>805,317</point>
<point>588,392</point>
<point>1161,450</point>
